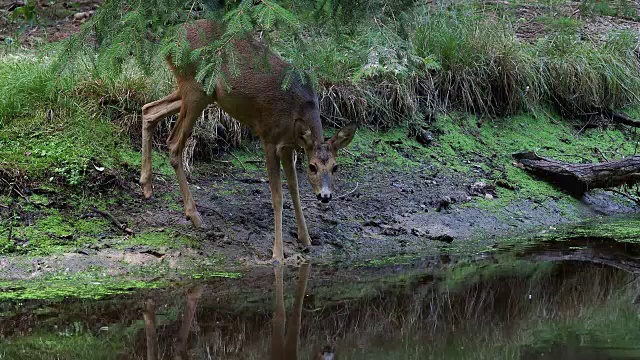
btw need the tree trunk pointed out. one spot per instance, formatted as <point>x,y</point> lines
<point>580,178</point>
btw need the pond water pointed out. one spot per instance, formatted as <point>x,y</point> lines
<point>575,299</point>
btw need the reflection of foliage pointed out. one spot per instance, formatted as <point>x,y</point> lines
<point>499,314</point>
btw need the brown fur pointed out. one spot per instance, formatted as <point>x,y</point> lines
<point>284,120</point>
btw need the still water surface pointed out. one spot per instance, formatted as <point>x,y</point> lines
<point>560,300</point>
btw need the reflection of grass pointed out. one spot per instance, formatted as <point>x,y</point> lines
<point>69,286</point>
<point>494,316</point>
<point>623,229</point>
<point>492,309</point>
<point>68,345</point>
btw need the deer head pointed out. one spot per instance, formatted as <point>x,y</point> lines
<point>321,157</point>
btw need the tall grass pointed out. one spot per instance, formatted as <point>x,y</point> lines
<point>54,125</point>
<point>582,76</point>
<point>483,67</point>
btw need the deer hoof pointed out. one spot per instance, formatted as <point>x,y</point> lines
<point>147,191</point>
<point>278,259</point>
<point>305,241</point>
<point>196,221</point>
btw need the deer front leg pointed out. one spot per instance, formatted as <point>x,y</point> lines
<point>289,166</point>
<point>275,183</point>
<point>152,113</point>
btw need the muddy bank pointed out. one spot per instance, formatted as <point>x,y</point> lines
<point>375,214</point>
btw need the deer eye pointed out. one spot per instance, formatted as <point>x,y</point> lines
<point>313,169</point>
<point>334,169</point>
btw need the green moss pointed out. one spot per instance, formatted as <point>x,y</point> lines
<point>505,265</point>
<point>52,233</point>
<point>217,274</point>
<point>159,239</point>
<point>80,346</point>
<point>39,199</point>
<point>403,259</point>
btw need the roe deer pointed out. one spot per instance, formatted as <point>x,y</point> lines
<point>284,120</point>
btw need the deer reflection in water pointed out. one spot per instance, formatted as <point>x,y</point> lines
<point>150,324</point>
<point>285,335</point>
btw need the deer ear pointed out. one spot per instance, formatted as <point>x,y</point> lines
<point>303,135</point>
<point>343,137</point>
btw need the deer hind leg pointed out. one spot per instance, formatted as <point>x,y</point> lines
<point>152,113</point>
<point>275,183</point>
<point>289,166</point>
<point>192,105</point>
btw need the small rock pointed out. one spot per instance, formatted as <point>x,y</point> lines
<point>505,184</point>
<point>374,223</point>
<point>480,188</point>
<point>215,235</point>
<point>444,237</point>
<point>328,219</point>
<point>419,232</point>
<point>393,230</point>
<point>424,137</point>
<point>81,16</point>
<point>488,196</point>
<point>444,203</point>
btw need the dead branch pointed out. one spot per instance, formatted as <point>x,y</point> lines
<point>114,221</point>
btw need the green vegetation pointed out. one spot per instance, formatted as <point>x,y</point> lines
<point>50,233</point>
<point>379,73</point>
<point>618,8</point>
<point>161,239</point>
<point>464,71</point>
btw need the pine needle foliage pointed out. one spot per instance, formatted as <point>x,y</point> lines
<point>145,30</point>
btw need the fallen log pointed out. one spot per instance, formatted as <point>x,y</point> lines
<point>580,178</point>
<point>621,118</point>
